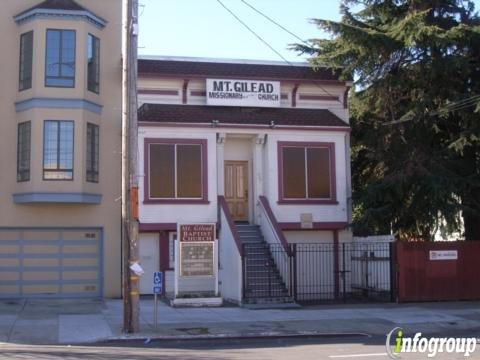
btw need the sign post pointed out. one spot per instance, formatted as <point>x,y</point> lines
<point>157,290</point>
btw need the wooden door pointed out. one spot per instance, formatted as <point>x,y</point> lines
<point>236,189</point>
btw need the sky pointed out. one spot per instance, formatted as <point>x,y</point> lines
<point>203,28</point>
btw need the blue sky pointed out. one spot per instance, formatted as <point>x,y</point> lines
<point>202,28</point>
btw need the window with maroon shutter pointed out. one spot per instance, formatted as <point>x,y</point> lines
<point>306,171</point>
<point>175,171</point>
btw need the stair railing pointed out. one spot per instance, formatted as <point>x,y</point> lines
<point>232,254</point>
<point>282,253</point>
<point>231,224</point>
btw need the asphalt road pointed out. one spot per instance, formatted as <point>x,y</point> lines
<point>295,349</point>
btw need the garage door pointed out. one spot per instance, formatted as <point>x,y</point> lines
<point>50,262</point>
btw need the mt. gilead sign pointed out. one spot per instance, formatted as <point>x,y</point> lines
<point>228,92</point>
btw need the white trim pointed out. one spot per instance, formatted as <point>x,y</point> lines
<point>222,60</point>
<point>175,175</point>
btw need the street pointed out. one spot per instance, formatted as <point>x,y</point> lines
<point>304,349</point>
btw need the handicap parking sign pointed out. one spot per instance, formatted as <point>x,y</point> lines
<point>157,282</point>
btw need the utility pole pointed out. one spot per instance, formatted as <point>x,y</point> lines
<point>130,280</point>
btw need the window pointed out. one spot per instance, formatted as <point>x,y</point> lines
<point>26,61</point>
<point>176,170</point>
<point>92,152</point>
<point>23,151</point>
<point>60,58</point>
<point>93,64</point>
<point>307,172</point>
<point>58,150</point>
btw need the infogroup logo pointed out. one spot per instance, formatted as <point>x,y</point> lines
<point>397,343</point>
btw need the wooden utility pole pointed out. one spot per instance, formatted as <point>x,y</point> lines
<point>130,280</point>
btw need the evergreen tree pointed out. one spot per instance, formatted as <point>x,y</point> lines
<point>415,112</point>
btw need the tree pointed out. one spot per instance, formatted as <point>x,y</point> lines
<point>414,112</point>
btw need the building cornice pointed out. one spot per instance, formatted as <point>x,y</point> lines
<point>78,15</point>
<point>58,103</point>
<point>57,197</point>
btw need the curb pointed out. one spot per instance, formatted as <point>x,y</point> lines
<point>269,335</point>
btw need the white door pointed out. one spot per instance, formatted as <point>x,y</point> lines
<point>149,260</point>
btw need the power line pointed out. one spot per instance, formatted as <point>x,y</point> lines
<point>272,48</point>
<point>458,105</point>
<point>453,106</point>
<point>253,32</point>
<point>275,22</point>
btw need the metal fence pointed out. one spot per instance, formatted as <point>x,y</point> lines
<point>320,272</point>
<point>268,271</point>
<point>359,272</point>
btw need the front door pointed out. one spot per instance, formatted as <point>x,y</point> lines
<point>149,255</point>
<point>236,189</point>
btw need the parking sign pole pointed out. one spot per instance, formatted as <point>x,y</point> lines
<point>157,289</point>
<point>155,311</point>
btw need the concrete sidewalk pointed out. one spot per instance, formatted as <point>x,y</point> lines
<point>83,321</point>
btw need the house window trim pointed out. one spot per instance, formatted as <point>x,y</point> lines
<point>204,149</point>
<point>58,153</point>
<point>95,156</point>
<point>22,62</point>
<point>333,179</point>
<point>172,238</point>
<point>28,172</point>
<point>97,75</point>
<point>60,57</point>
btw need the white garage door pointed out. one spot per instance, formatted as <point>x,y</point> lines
<point>50,262</point>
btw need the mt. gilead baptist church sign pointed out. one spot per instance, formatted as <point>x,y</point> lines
<point>228,92</point>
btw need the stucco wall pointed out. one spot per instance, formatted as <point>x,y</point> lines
<point>172,213</point>
<point>107,214</point>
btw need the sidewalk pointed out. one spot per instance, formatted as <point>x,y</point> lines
<point>83,321</point>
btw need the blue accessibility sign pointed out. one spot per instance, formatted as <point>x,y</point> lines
<point>157,282</point>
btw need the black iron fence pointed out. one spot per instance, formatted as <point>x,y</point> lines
<point>345,272</point>
<point>320,272</point>
<point>268,271</point>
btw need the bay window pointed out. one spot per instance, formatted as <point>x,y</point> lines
<point>26,61</point>
<point>93,64</point>
<point>23,151</point>
<point>58,150</point>
<point>60,58</point>
<point>93,139</point>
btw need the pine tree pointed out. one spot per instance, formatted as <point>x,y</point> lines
<point>415,112</point>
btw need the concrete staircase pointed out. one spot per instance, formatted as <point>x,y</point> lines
<point>264,285</point>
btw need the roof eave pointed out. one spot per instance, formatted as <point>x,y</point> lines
<point>60,13</point>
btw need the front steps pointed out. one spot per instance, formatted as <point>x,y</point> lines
<point>264,286</point>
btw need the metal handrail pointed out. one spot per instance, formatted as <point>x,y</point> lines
<point>233,228</point>
<point>273,222</point>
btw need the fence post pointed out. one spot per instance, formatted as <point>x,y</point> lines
<point>336,264</point>
<point>244,272</point>
<point>393,262</point>
<point>344,273</point>
<point>294,271</point>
